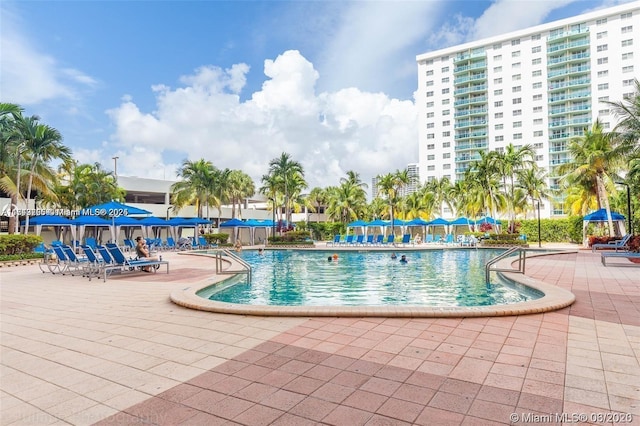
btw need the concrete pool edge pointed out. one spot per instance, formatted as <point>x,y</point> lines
<point>554,298</point>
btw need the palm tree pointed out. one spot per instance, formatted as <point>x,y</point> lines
<point>440,190</point>
<point>240,187</point>
<point>345,202</point>
<point>595,159</point>
<point>316,199</point>
<point>628,128</point>
<point>196,186</point>
<point>42,144</point>
<point>510,164</point>
<point>290,179</point>
<point>533,181</point>
<point>390,186</point>
<point>486,175</point>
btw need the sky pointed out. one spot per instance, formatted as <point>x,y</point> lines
<point>237,83</point>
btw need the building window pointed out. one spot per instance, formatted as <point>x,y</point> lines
<point>431,146</point>
<point>497,58</point>
<point>602,48</point>
<point>627,82</point>
<point>515,54</point>
<point>538,145</point>
<point>497,80</point>
<point>603,99</point>
<point>603,73</point>
<point>445,70</point>
<point>445,80</point>
<point>604,111</point>
<point>537,133</point>
<point>517,136</point>
<point>431,136</point>
<point>446,134</point>
<point>498,115</point>
<point>429,72</point>
<point>627,69</point>
<point>626,43</point>
<point>537,97</point>
<point>535,37</point>
<point>517,101</point>
<point>517,124</point>
<point>445,102</point>
<point>497,69</point>
<point>537,85</point>
<point>601,34</point>
<point>446,155</point>
<point>603,86</point>
<point>430,125</point>
<point>429,83</point>
<point>536,73</point>
<point>445,112</point>
<point>429,62</point>
<point>627,15</point>
<point>497,92</point>
<point>627,96</point>
<point>537,121</point>
<point>627,29</point>
<point>429,94</point>
<point>497,104</point>
<point>536,61</point>
<point>446,144</point>
<point>602,61</point>
<point>431,168</point>
<point>539,157</point>
<point>601,21</point>
<point>499,138</point>
<point>431,157</point>
<point>536,49</point>
<point>446,166</point>
<point>517,112</point>
<point>445,91</point>
<point>515,42</point>
<point>498,126</point>
<point>516,77</point>
<point>516,89</point>
<point>497,46</point>
<point>537,109</point>
<point>626,56</point>
<point>606,125</point>
<point>429,104</point>
<point>515,65</point>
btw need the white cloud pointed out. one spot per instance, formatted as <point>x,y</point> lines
<point>329,133</point>
<point>29,76</point>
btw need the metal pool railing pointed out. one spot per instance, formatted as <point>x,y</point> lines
<point>219,270</point>
<point>522,256</point>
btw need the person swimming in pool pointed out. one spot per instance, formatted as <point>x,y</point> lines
<point>394,256</point>
<point>403,259</point>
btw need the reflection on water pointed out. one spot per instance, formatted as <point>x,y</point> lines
<point>430,278</point>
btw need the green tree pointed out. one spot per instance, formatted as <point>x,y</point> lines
<point>196,186</point>
<point>289,179</point>
<point>240,186</point>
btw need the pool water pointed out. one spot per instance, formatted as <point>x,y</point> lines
<point>361,278</point>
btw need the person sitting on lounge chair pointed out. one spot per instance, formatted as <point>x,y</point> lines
<point>142,251</point>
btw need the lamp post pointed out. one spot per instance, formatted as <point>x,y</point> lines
<point>19,152</point>
<point>168,209</point>
<point>628,206</point>
<point>539,227</point>
<point>273,222</point>
<point>115,167</point>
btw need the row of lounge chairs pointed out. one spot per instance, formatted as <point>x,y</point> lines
<point>101,262</point>
<point>155,244</point>
<point>617,249</point>
<point>379,240</point>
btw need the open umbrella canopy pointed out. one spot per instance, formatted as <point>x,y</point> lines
<point>488,219</point>
<point>438,222</point>
<point>379,222</point>
<point>50,220</point>
<point>233,223</point>
<point>258,223</point>
<point>196,221</point>
<point>462,221</point>
<point>601,216</point>
<point>113,209</point>
<point>417,222</point>
<point>358,222</point>
<point>154,221</point>
<point>91,220</point>
<point>126,221</point>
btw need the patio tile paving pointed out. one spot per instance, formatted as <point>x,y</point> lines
<point>120,352</point>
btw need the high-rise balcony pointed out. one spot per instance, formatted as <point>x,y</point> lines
<point>575,82</point>
<point>470,89</point>
<point>568,58</point>
<point>568,34</point>
<point>580,69</point>
<point>567,46</point>
<point>571,122</point>
<point>571,108</point>
<point>481,144</point>
<point>469,78</point>
<point>470,135</point>
<point>471,66</point>
<point>473,111</point>
<point>471,100</point>
<point>470,123</point>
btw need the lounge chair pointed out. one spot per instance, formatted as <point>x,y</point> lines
<point>171,244</point>
<point>619,254</point>
<point>75,263</point>
<point>613,245</point>
<point>55,261</point>
<point>379,240</point>
<point>349,240</point>
<point>428,238</point>
<point>94,264</point>
<point>406,240</point>
<point>359,240</point>
<point>390,240</point>
<point>132,264</point>
<point>336,240</point>
<point>449,239</point>
<point>184,244</point>
<point>369,241</point>
<point>129,244</point>
<point>91,242</point>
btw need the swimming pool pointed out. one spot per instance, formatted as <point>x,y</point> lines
<point>435,278</point>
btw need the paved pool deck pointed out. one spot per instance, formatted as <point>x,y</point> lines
<point>120,352</point>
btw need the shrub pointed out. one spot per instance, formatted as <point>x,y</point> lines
<point>18,244</point>
<point>634,244</point>
<point>485,227</point>
<point>220,238</point>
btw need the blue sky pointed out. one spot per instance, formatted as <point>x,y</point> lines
<point>238,83</point>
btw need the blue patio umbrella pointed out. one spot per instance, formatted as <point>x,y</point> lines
<point>462,221</point>
<point>439,222</point>
<point>488,219</point>
<point>601,216</point>
<point>233,223</point>
<point>153,225</point>
<point>58,222</point>
<point>417,222</point>
<point>381,223</point>
<point>95,222</point>
<point>113,209</point>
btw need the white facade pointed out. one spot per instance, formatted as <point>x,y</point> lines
<point>540,86</point>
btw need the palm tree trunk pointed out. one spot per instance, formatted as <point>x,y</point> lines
<point>605,201</point>
<point>13,217</point>
<point>26,221</point>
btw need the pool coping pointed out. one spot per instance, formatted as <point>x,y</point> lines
<point>554,298</point>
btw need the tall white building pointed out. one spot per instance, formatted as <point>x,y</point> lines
<point>540,86</point>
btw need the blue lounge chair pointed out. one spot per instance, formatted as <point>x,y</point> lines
<point>369,241</point>
<point>428,238</point>
<point>619,254</point>
<point>336,240</point>
<point>449,239</point>
<point>123,264</point>
<point>74,262</point>
<point>129,244</point>
<point>171,243</point>
<point>613,245</point>
<point>379,240</point>
<point>390,239</point>
<point>91,242</point>
<point>348,240</point>
<point>359,240</point>
<point>406,240</point>
<point>94,264</point>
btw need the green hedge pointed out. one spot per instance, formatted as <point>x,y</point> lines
<point>220,238</point>
<point>296,237</point>
<point>23,256</point>
<point>553,230</point>
<point>17,244</point>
